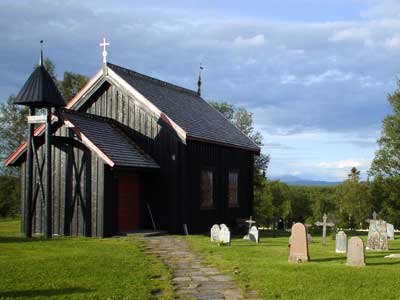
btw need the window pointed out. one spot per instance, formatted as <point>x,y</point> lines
<point>207,189</point>
<point>233,188</point>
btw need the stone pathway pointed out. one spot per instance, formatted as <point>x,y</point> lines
<point>191,278</point>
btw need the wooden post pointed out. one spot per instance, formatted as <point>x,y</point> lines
<point>28,180</point>
<point>48,200</point>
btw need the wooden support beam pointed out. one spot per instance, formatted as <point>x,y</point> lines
<point>29,181</point>
<point>48,201</point>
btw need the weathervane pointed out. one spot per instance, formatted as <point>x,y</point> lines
<point>199,81</point>
<point>104,44</point>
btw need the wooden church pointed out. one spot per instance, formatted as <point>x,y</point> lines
<point>132,152</point>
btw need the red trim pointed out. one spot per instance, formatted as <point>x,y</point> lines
<point>42,127</point>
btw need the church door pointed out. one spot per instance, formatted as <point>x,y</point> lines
<point>128,202</point>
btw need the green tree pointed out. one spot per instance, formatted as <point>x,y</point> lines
<point>9,196</point>
<point>354,174</point>
<point>387,158</point>
<point>243,120</point>
<point>354,203</point>
<point>71,84</point>
<point>12,131</point>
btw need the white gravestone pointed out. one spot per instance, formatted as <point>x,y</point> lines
<point>341,242</point>
<point>250,222</point>
<point>390,231</point>
<point>253,234</point>
<point>225,235</point>
<point>215,230</point>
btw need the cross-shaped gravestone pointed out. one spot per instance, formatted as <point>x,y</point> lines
<point>324,224</point>
<point>250,222</point>
<point>104,44</point>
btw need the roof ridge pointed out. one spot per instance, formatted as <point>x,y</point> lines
<point>158,81</point>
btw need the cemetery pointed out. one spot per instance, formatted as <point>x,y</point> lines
<point>267,269</point>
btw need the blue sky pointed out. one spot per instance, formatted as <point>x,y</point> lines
<point>314,73</point>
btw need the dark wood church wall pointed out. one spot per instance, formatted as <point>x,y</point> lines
<point>154,137</point>
<point>220,160</point>
<point>77,189</point>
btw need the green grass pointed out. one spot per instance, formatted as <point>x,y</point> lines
<point>77,268</point>
<point>264,267</point>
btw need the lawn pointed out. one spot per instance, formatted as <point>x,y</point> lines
<point>77,268</point>
<point>264,267</point>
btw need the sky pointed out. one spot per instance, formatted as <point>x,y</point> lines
<point>315,74</point>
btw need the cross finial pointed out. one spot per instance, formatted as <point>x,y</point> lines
<point>104,44</point>
<point>41,53</point>
<point>199,81</point>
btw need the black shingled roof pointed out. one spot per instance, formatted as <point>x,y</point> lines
<point>110,139</point>
<point>40,91</point>
<point>187,109</point>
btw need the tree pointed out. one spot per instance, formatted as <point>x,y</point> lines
<point>354,203</point>
<point>9,196</point>
<point>387,158</point>
<point>71,84</point>
<point>243,120</point>
<point>354,174</point>
<point>12,131</point>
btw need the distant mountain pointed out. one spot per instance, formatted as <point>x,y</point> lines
<point>294,180</point>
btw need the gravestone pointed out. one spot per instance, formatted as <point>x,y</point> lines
<point>223,226</point>
<point>377,236</point>
<point>390,231</point>
<point>250,222</point>
<point>225,235</point>
<point>298,244</point>
<point>355,252</point>
<point>253,234</point>
<point>324,224</point>
<point>309,238</point>
<point>215,230</point>
<point>341,242</point>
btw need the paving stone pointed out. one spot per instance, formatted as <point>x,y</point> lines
<point>221,278</point>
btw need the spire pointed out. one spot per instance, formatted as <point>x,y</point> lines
<point>41,53</point>
<point>199,81</point>
<point>40,90</point>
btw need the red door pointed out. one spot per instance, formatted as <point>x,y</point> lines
<point>128,202</point>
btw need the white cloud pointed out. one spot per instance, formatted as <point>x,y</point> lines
<point>342,164</point>
<point>327,76</point>
<point>350,34</point>
<point>256,41</point>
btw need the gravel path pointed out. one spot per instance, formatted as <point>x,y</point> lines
<point>191,278</point>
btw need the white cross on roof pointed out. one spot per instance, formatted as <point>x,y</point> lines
<point>104,44</point>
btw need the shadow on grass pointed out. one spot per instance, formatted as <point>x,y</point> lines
<point>327,259</point>
<point>386,263</point>
<point>16,239</point>
<point>43,292</point>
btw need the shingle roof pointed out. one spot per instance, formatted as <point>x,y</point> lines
<point>40,91</point>
<point>110,139</point>
<point>187,109</point>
